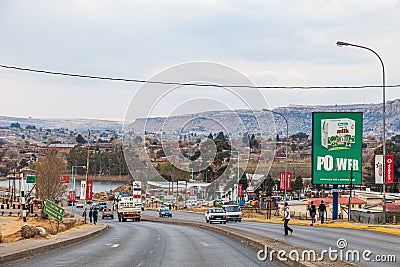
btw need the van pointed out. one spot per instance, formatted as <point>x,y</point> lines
<point>233,213</point>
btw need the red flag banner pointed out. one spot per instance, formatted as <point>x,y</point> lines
<point>288,181</point>
<point>389,169</point>
<point>89,190</point>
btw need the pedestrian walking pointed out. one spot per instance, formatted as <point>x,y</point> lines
<point>313,211</point>
<point>95,213</point>
<point>322,210</point>
<point>286,218</point>
<point>90,214</point>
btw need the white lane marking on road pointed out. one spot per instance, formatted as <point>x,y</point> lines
<point>151,251</point>
<point>204,244</point>
<point>115,245</point>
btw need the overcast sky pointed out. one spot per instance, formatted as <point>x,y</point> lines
<point>273,43</point>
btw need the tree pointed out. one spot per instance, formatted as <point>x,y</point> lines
<point>49,170</point>
<point>221,137</point>
<point>298,183</point>
<point>269,184</point>
<point>210,136</point>
<point>246,139</point>
<point>80,139</point>
<point>243,181</point>
<point>15,125</point>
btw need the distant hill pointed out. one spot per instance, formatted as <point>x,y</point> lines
<point>78,124</point>
<point>299,119</point>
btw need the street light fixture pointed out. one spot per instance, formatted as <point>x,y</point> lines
<point>340,44</point>
<point>73,187</point>
<point>287,140</point>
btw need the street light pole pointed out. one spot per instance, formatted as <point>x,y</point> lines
<point>287,141</point>
<point>87,176</point>
<point>238,174</point>
<point>73,187</point>
<point>340,44</point>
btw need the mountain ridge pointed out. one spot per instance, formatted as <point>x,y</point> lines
<point>299,119</point>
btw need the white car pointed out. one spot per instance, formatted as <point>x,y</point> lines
<point>79,205</point>
<point>215,215</point>
<point>233,213</point>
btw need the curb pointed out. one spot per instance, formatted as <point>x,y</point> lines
<point>43,249</point>
<point>253,240</point>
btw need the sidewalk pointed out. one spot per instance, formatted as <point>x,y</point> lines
<point>14,251</point>
<point>393,229</point>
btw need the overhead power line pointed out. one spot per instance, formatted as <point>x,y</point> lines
<point>190,83</point>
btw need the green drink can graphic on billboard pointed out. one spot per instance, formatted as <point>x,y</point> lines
<point>338,134</point>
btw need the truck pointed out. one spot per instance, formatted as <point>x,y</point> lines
<point>128,210</point>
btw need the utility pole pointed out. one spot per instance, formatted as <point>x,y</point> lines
<point>23,200</point>
<point>87,175</point>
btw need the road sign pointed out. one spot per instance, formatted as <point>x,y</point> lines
<point>65,179</point>
<point>72,195</point>
<point>54,210</point>
<point>30,179</point>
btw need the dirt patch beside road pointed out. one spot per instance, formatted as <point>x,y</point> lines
<point>10,227</point>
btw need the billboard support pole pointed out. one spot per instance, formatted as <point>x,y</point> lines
<point>351,186</point>
<point>335,202</point>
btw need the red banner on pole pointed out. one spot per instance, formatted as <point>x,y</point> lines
<point>65,179</point>
<point>389,167</point>
<point>191,192</point>
<point>240,190</point>
<point>288,181</point>
<point>72,196</point>
<point>89,190</point>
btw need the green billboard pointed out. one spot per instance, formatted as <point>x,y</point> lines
<point>337,147</point>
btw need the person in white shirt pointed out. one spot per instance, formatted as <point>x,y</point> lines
<point>286,218</point>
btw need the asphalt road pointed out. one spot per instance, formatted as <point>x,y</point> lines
<point>152,244</point>
<point>317,238</point>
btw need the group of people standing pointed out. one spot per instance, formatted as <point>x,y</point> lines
<point>93,213</point>
<point>313,212</point>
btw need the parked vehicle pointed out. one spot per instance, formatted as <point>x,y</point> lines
<point>233,213</point>
<point>165,212</point>
<point>215,215</point>
<point>107,213</point>
<point>79,205</point>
